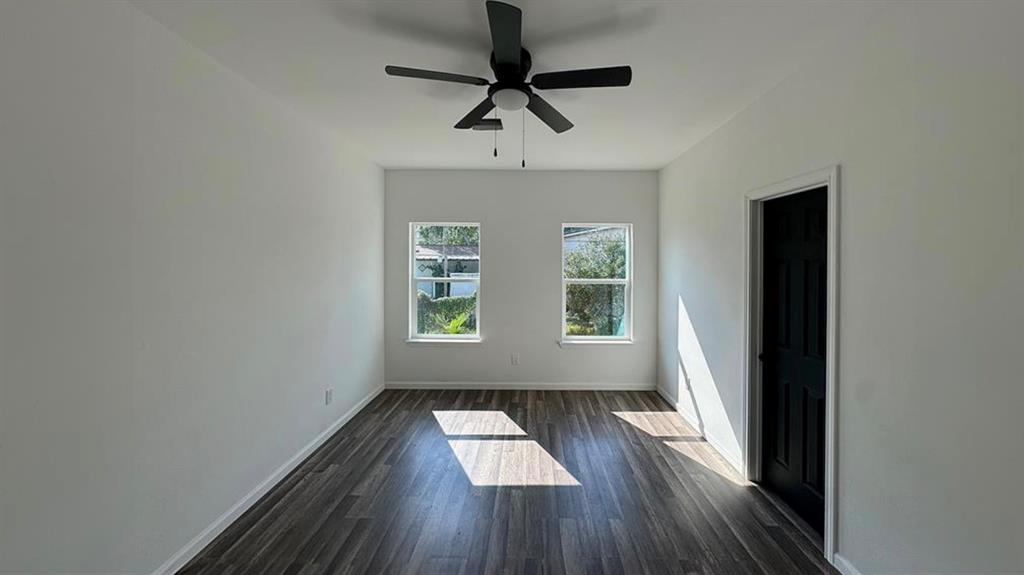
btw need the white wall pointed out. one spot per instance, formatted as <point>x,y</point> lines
<point>926,116</point>
<point>186,265</point>
<point>520,213</point>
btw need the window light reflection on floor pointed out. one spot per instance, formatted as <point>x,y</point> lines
<point>657,423</point>
<point>469,422</point>
<point>519,462</point>
<point>682,439</point>
<point>702,453</point>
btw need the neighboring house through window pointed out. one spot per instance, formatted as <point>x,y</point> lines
<point>597,282</point>
<point>445,276</point>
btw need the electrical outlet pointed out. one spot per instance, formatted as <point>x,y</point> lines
<point>515,359</point>
<point>328,395</point>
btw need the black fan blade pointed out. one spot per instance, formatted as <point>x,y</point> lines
<point>432,75</point>
<point>506,32</point>
<point>589,78</point>
<point>550,116</point>
<point>489,125</point>
<point>475,115</point>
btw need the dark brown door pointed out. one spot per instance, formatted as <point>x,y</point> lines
<point>794,293</point>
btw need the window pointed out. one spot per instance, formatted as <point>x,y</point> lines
<point>597,282</point>
<point>445,276</point>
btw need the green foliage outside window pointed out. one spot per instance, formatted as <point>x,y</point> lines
<point>456,325</point>
<point>447,235</point>
<point>444,315</point>
<point>595,309</point>
<point>456,249</point>
<point>597,258</point>
<point>578,329</point>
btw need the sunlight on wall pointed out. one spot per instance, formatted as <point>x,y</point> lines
<point>466,422</point>
<point>698,397</point>
<point>657,423</point>
<point>520,462</point>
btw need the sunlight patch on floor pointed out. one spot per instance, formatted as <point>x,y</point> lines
<point>657,423</point>
<point>701,452</point>
<point>521,462</point>
<point>467,422</point>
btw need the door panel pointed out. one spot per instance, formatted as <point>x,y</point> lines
<point>782,423</point>
<point>783,301</point>
<point>793,345</point>
<point>815,282</point>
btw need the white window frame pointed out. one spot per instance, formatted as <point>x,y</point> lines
<point>413,280</point>
<point>627,337</point>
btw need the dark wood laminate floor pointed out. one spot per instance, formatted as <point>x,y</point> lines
<point>513,482</point>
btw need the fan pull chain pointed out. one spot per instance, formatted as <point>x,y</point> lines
<point>495,135</point>
<point>524,138</point>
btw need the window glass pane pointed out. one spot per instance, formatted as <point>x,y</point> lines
<point>462,251</point>
<point>428,265</point>
<point>594,252</point>
<point>447,251</point>
<point>446,308</point>
<point>429,235</point>
<point>465,236</point>
<point>595,310</point>
<point>461,262</point>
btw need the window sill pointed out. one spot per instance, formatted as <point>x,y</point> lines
<point>565,342</point>
<point>443,340</point>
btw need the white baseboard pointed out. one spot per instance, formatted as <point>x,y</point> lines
<point>844,566</point>
<point>669,397</point>
<point>199,542</point>
<point>693,421</point>
<point>733,459</point>
<point>525,385</point>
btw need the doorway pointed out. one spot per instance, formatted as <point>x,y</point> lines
<point>792,284</point>
<point>793,248</point>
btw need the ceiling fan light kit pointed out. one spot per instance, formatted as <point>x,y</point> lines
<point>511,63</point>
<point>510,99</point>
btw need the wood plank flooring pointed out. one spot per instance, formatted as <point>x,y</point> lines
<point>470,482</point>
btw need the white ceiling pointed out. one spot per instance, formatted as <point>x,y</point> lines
<point>695,65</point>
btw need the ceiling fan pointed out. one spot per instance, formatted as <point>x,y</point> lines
<point>511,63</point>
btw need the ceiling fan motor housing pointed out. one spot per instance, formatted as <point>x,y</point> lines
<point>511,72</point>
<point>510,91</point>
